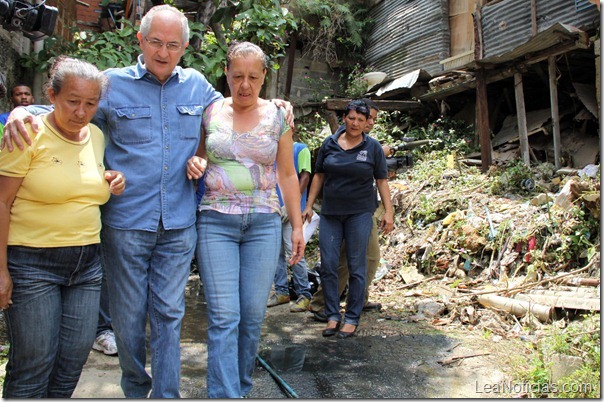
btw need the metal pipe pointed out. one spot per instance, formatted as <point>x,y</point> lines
<point>280,382</point>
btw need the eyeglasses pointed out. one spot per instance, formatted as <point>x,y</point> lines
<point>157,44</point>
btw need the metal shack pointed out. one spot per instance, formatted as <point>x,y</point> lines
<point>495,49</point>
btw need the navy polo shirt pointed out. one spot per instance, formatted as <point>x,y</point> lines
<point>349,175</point>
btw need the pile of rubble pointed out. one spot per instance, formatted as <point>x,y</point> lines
<point>488,261</point>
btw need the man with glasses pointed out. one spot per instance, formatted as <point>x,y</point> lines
<point>151,118</point>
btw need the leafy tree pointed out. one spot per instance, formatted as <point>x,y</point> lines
<point>264,22</point>
<point>331,30</point>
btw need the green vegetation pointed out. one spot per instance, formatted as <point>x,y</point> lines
<point>580,339</point>
<point>356,85</point>
<point>264,22</point>
<point>3,357</point>
<point>332,31</point>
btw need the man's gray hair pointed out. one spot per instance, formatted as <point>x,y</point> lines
<point>65,67</point>
<point>148,19</point>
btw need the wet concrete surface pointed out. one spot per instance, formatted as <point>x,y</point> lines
<point>385,359</point>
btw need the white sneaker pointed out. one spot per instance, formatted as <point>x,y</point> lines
<point>105,343</point>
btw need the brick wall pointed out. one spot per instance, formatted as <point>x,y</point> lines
<point>67,17</point>
<point>88,18</point>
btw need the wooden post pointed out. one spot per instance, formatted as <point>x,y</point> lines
<point>533,17</point>
<point>482,120</point>
<point>332,119</point>
<point>553,94</point>
<point>521,113</point>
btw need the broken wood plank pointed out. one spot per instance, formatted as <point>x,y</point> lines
<point>519,308</point>
<point>521,115</point>
<point>553,94</point>
<point>581,281</point>
<point>387,105</point>
<point>561,301</point>
<point>413,284</point>
<point>453,359</point>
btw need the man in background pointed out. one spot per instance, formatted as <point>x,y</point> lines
<point>299,270</point>
<point>20,96</point>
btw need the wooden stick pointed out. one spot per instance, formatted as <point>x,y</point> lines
<point>453,359</point>
<point>531,285</point>
<point>413,284</point>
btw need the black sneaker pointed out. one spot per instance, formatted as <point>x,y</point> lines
<point>370,306</point>
<point>319,316</point>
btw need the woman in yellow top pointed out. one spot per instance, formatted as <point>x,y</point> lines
<point>50,267</point>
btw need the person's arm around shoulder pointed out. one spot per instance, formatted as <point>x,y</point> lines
<point>289,110</point>
<point>14,129</point>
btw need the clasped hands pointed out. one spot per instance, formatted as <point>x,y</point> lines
<point>196,166</point>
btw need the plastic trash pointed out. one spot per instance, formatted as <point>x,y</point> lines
<point>590,170</point>
<point>382,270</point>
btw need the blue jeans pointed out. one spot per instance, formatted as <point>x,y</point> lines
<point>104,323</point>
<point>146,276</point>
<point>299,270</point>
<point>355,230</point>
<point>237,257</point>
<point>52,321</point>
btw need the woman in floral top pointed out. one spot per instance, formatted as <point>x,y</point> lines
<point>239,223</point>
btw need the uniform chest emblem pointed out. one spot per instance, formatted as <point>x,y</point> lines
<point>362,156</point>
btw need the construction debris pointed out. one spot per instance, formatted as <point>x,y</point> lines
<point>530,253</point>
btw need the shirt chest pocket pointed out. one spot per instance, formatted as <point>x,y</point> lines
<point>189,121</point>
<point>133,124</point>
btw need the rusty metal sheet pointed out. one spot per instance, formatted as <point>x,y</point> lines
<point>587,95</point>
<point>508,24</point>
<point>408,35</point>
<point>404,82</point>
<point>535,120</point>
<point>554,35</point>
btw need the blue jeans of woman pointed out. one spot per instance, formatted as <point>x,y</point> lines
<point>238,257</point>
<point>104,324</point>
<point>299,270</point>
<point>147,273</point>
<point>52,321</point>
<point>354,229</point>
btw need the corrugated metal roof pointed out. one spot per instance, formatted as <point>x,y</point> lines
<point>408,35</point>
<point>507,24</point>
<point>549,38</point>
<point>580,14</point>
<point>404,82</point>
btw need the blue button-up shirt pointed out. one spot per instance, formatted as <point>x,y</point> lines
<point>151,130</point>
